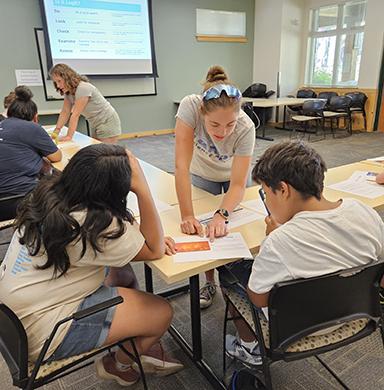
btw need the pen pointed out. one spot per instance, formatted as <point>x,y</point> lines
<point>205,220</point>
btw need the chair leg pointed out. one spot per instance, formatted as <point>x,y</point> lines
<point>224,334</point>
<point>138,361</point>
<point>267,374</point>
<point>365,120</point>
<point>344,386</point>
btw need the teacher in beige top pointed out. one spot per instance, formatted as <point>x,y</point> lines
<point>83,98</point>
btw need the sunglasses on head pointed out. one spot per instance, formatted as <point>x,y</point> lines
<point>216,91</point>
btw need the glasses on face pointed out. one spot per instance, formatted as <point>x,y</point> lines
<point>215,92</point>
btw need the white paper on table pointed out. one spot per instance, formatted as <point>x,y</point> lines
<point>255,205</point>
<point>238,217</point>
<point>61,145</point>
<point>231,246</point>
<point>358,184</point>
<point>133,205</point>
<point>377,159</point>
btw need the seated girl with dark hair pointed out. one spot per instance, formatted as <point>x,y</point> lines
<point>70,230</point>
<point>23,146</point>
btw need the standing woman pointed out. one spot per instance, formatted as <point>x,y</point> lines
<point>83,98</point>
<point>214,147</point>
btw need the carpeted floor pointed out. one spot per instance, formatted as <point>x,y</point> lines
<point>361,365</point>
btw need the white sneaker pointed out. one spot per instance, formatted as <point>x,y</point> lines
<point>234,349</point>
<point>207,293</point>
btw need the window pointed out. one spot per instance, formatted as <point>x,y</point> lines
<point>335,44</point>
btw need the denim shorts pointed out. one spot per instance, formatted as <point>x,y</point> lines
<point>89,332</point>
<point>214,187</point>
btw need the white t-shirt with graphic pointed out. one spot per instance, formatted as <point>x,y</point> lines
<point>40,301</point>
<point>212,159</point>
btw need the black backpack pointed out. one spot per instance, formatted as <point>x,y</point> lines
<point>244,380</point>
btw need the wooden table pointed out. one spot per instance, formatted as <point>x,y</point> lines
<point>162,184</point>
<point>338,174</point>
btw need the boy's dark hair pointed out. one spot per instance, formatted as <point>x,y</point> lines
<point>295,163</point>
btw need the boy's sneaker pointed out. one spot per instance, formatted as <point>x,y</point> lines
<point>207,293</point>
<point>234,349</point>
<point>156,362</point>
<point>106,369</point>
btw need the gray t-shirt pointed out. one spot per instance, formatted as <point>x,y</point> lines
<point>212,160</point>
<point>98,110</point>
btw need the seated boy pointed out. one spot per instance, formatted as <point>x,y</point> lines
<point>307,235</point>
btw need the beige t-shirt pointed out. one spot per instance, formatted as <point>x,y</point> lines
<point>212,160</point>
<point>40,301</point>
<point>98,110</point>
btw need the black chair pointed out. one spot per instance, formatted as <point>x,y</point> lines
<point>14,348</point>
<point>328,96</point>
<point>8,206</point>
<point>358,104</point>
<point>258,90</point>
<point>300,309</point>
<point>339,107</point>
<point>312,111</point>
<point>304,93</point>
<point>249,110</point>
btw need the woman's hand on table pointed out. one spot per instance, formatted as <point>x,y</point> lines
<point>217,227</point>
<point>191,225</point>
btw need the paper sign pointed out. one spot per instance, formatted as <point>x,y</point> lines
<point>29,77</point>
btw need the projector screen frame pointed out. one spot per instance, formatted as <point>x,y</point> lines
<point>45,75</point>
<point>154,73</point>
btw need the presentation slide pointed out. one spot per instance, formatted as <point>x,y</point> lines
<point>100,37</point>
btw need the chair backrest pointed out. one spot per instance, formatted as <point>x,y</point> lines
<point>8,206</point>
<point>13,344</point>
<point>327,95</point>
<point>314,107</point>
<point>358,99</point>
<point>340,103</point>
<point>301,307</point>
<point>248,109</point>
<point>256,90</point>
<point>306,93</point>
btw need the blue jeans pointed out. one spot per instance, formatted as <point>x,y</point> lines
<point>89,332</point>
<point>213,187</point>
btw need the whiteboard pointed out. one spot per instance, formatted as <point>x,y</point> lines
<point>109,87</point>
<point>213,22</point>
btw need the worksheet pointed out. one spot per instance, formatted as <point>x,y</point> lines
<point>194,248</point>
<point>360,183</point>
<point>238,217</point>
<point>256,205</point>
<point>133,205</point>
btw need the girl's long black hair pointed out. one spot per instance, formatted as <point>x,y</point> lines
<point>97,180</point>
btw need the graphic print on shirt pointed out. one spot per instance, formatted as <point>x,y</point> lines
<point>209,148</point>
<point>22,262</point>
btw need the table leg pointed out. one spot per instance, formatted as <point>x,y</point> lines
<point>148,278</point>
<point>262,125</point>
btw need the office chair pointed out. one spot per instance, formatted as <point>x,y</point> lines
<point>327,95</point>
<point>296,328</point>
<point>258,90</point>
<point>27,376</point>
<point>339,107</point>
<point>304,93</point>
<point>312,111</point>
<point>358,104</point>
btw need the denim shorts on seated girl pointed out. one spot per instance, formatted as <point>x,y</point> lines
<point>90,332</point>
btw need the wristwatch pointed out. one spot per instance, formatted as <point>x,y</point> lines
<point>223,213</point>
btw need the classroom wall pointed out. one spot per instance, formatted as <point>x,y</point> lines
<point>182,61</point>
<point>373,40</point>
<point>278,43</point>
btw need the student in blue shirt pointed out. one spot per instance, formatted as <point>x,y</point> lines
<point>24,146</point>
